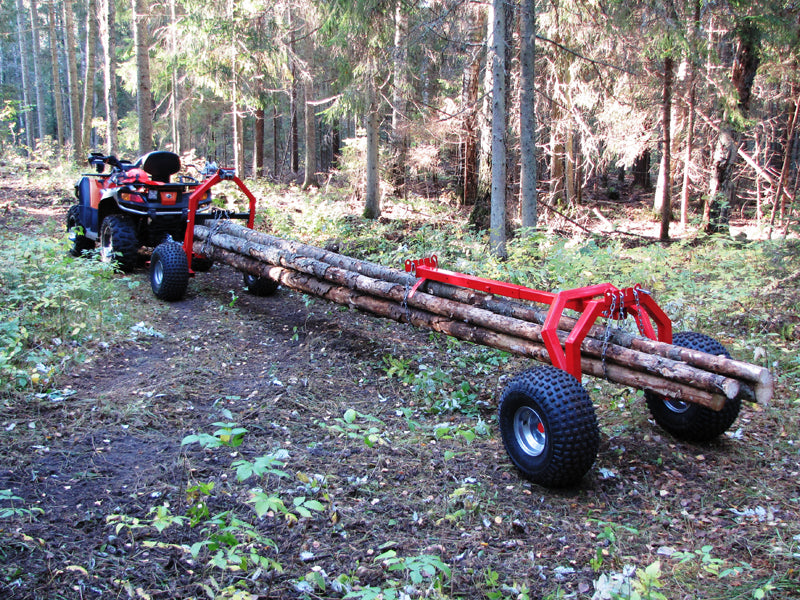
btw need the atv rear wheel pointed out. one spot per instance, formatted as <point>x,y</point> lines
<point>259,286</point>
<point>686,420</point>
<point>548,426</point>
<point>118,242</point>
<point>169,271</point>
<point>75,231</point>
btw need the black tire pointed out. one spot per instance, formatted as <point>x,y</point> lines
<point>202,264</point>
<point>259,286</point>
<point>118,242</point>
<point>75,230</point>
<point>169,271</point>
<point>686,420</point>
<point>549,427</point>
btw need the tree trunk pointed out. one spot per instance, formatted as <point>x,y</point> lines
<point>175,104</point>
<point>57,100</point>
<point>641,170</point>
<point>663,195</point>
<point>144,100</point>
<point>276,125</point>
<point>497,227</point>
<point>399,136</point>
<point>87,114</point>
<point>778,199</point>
<point>108,38</point>
<point>74,94</point>
<point>692,84</point>
<point>294,98</point>
<point>527,101</point>
<point>27,92</point>
<point>258,144</point>
<point>41,118</point>
<point>720,189</point>
<point>310,178</point>
<point>479,217</point>
<point>372,194</point>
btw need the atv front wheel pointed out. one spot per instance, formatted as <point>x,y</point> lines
<point>79,242</point>
<point>259,286</point>
<point>686,420</point>
<point>169,271</point>
<point>549,427</point>
<point>118,242</point>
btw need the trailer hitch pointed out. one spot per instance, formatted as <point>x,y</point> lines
<point>602,300</point>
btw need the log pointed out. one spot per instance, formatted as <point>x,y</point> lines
<point>666,368</point>
<point>761,386</point>
<point>345,295</point>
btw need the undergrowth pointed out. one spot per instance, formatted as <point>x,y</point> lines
<point>54,308</point>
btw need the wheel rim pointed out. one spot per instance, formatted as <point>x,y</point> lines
<point>676,406</point>
<point>158,273</point>
<point>529,431</point>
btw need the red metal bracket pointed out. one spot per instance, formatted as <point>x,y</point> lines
<point>602,300</point>
<point>194,200</point>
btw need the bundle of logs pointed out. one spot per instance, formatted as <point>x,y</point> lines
<point>607,352</point>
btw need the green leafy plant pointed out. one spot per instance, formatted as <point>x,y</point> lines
<point>263,466</point>
<point>226,434</point>
<point>16,511</point>
<point>55,309</point>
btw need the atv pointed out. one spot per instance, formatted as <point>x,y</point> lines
<point>138,205</point>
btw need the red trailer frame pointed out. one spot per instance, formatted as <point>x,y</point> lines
<point>602,300</point>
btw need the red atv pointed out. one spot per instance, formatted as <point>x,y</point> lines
<point>137,204</point>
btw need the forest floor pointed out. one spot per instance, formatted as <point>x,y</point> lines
<point>363,489</point>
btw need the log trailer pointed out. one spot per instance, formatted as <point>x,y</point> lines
<point>692,386</point>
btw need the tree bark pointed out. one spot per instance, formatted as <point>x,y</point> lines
<point>108,39</point>
<point>778,197</point>
<point>76,128</point>
<point>56,75</point>
<point>720,189</point>
<point>175,103</point>
<point>310,179</point>
<point>692,84</point>
<point>41,112</point>
<point>399,136</point>
<point>237,126</point>
<point>641,170</point>
<point>665,172</point>
<point>497,227</point>
<point>527,102</point>
<point>258,144</point>
<point>87,113</point>
<point>144,100</point>
<point>479,217</point>
<point>372,194</point>
<point>27,92</point>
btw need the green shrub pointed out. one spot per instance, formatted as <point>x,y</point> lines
<point>54,306</point>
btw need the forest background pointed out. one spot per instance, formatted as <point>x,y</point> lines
<point>566,96</point>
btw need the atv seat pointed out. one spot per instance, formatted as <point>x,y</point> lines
<point>160,165</point>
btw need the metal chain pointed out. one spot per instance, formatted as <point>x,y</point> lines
<point>404,303</point>
<point>213,230</point>
<point>607,334</point>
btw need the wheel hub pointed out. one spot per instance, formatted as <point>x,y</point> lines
<point>529,431</point>
<point>676,406</point>
<point>158,273</point>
